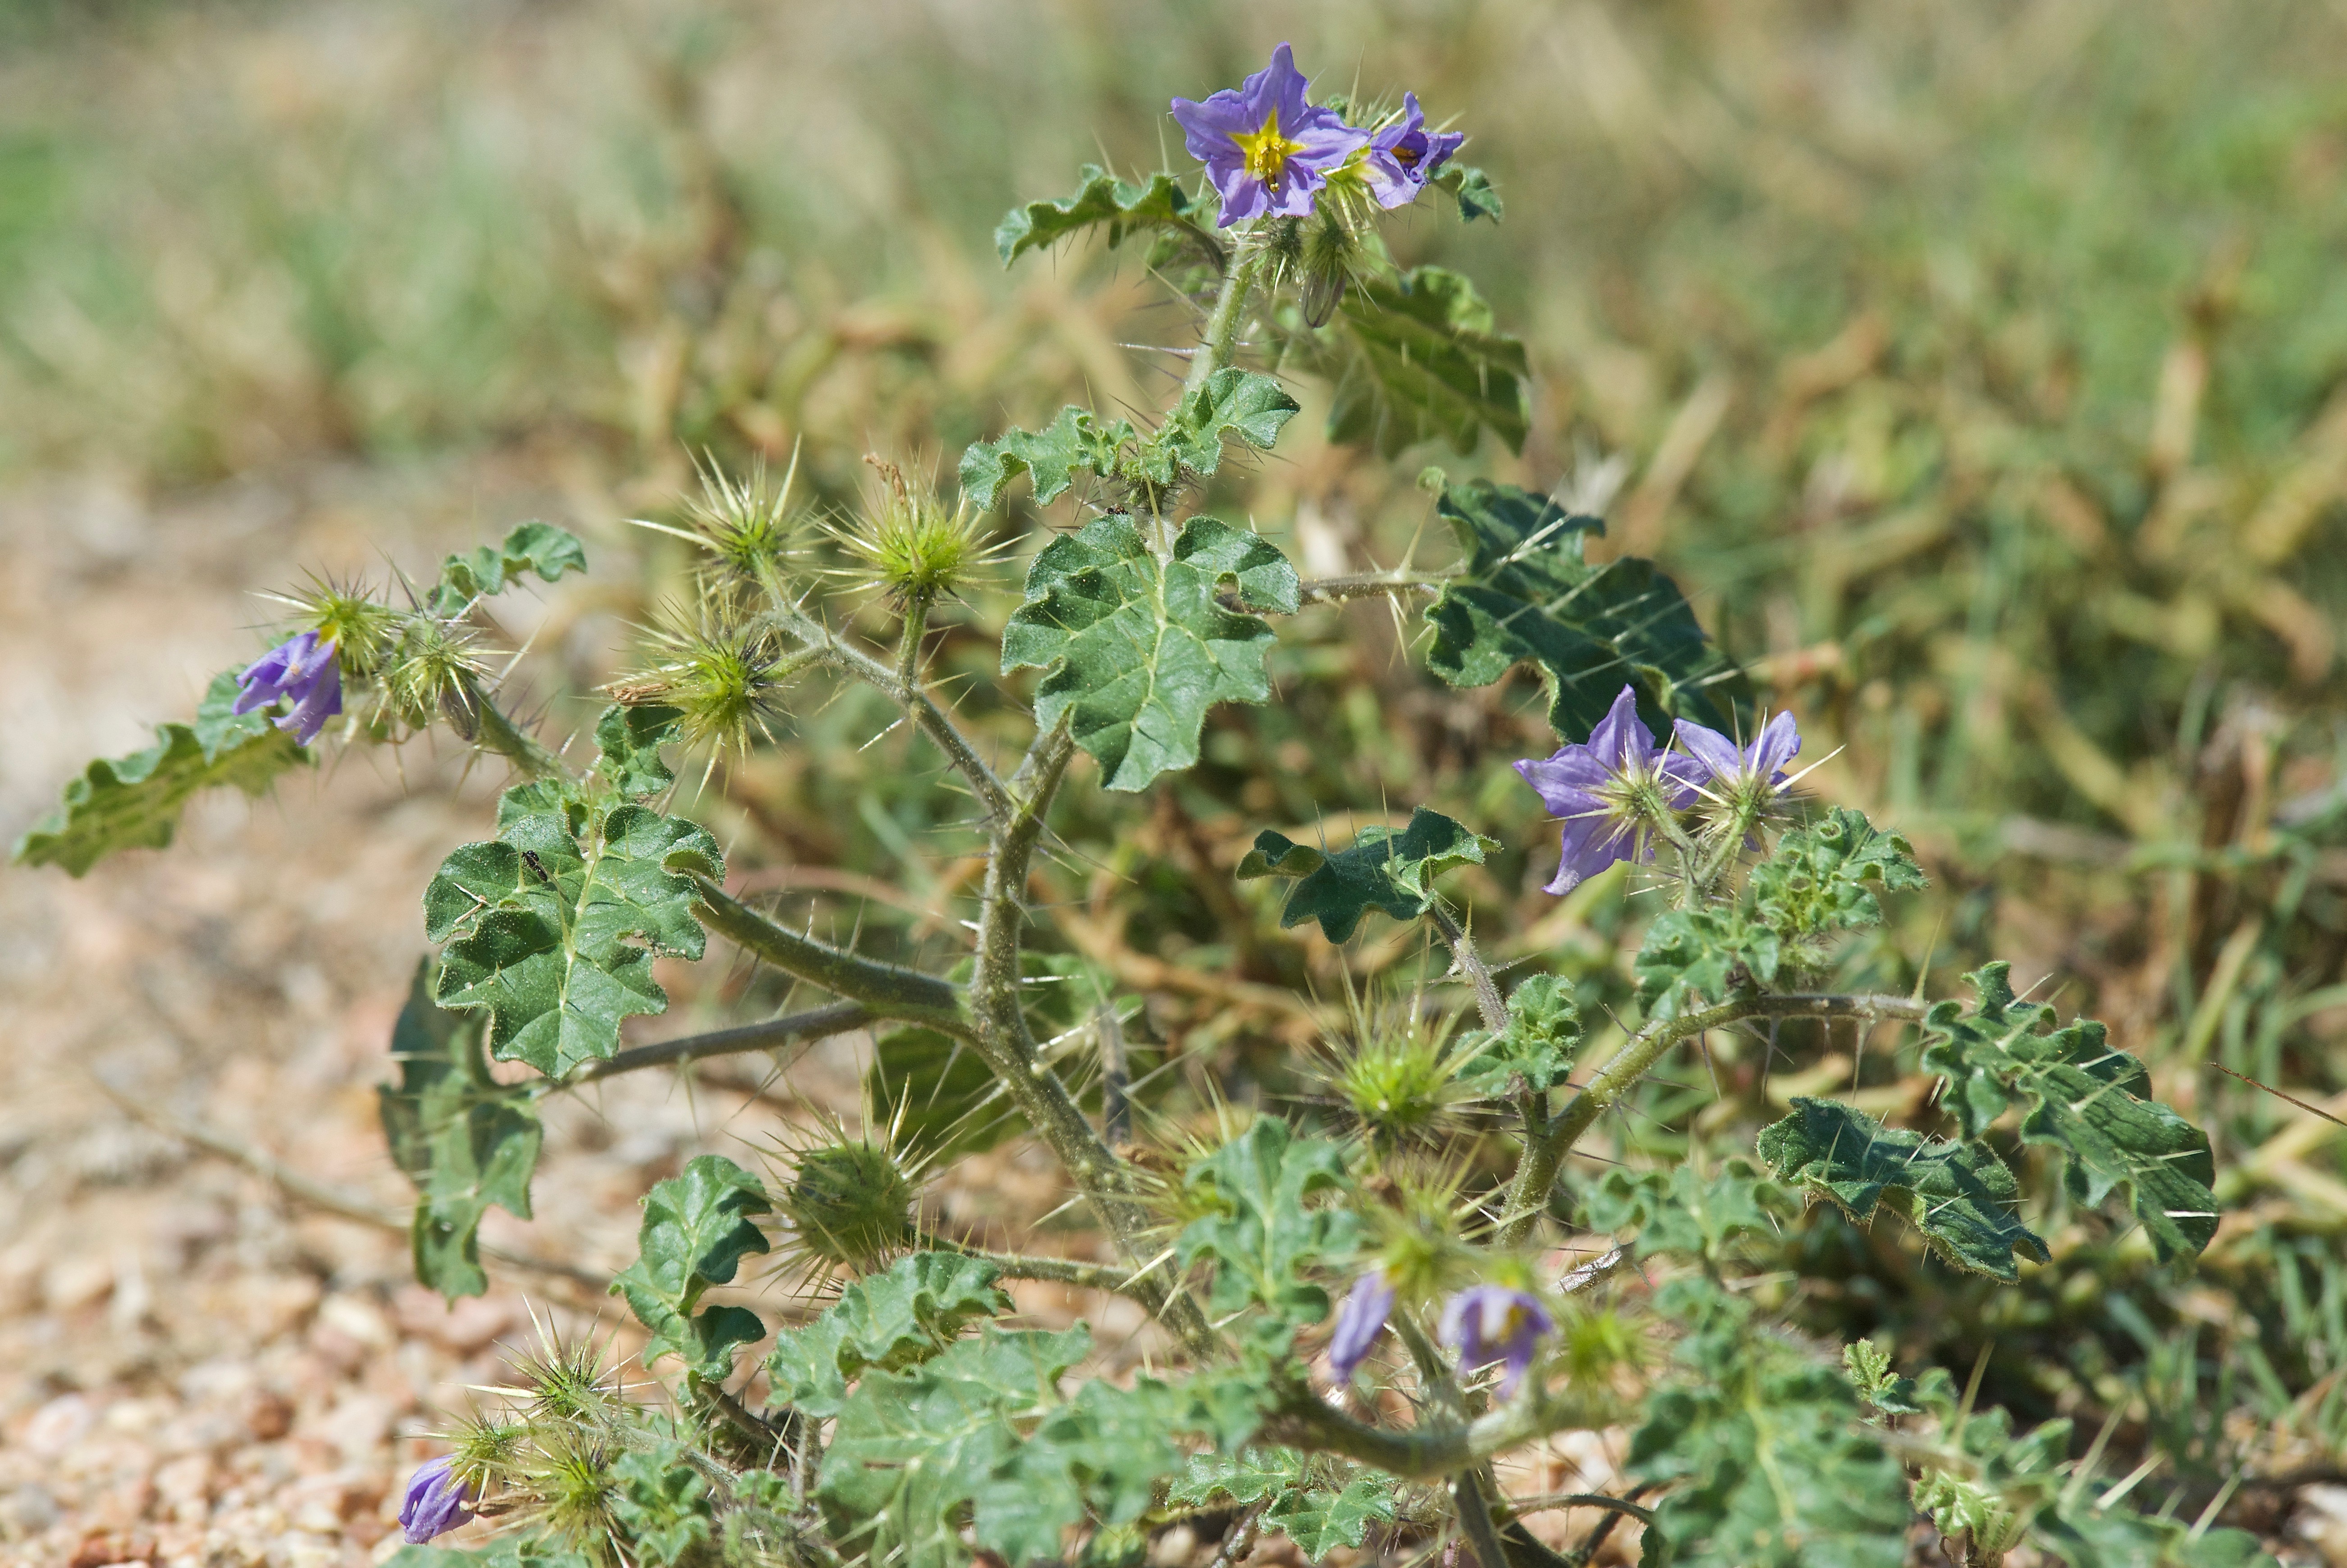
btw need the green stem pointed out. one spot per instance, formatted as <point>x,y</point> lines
<point>510,740</point>
<point>1545,1154</point>
<point>1084,1275</point>
<point>887,990</point>
<point>1488,1000</point>
<point>812,1024</point>
<point>908,645</point>
<point>1370,584</point>
<point>1220,339</point>
<point>1426,1452</point>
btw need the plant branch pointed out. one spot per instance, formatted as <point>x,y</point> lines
<point>1429,1451</point>
<point>500,734</point>
<point>1222,330</point>
<point>1545,1154</point>
<point>812,1024</point>
<point>1370,585</point>
<point>1113,1278</point>
<point>1475,1515</point>
<point>1470,963</point>
<point>886,989</point>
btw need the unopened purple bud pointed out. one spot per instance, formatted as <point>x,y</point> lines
<point>1267,151</point>
<point>437,1501</point>
<point>1488,1323</point>
<point>305,672</point>
<point>1361,1318</point>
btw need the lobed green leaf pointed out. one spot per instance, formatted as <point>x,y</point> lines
<point>1381,869</point>
<point>1821,879</point>
<point>1135,650</point>
<point>1527,596</point>
<point>1101,199</point>
<point>697,1228</point>
<point>529,547</point>
<point>1263,1236</point>
<point>890,1321</point>
<point>1417,359</point>
<point>134,802</point>
<point>1536,1052</point>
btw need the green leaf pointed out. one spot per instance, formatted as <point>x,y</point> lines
<point>890,1321</point>
<point>1821,879</point>
<point>1262,1235</point>
<point>1247,1475</point>
<point>1100,199</point>
<point>552,926</point>
<point>1416,359</point>
<point>1762,1447</point>
<point>1960,1196</point>
<point>696,1230</point>
<point>661,1501</point>
<point>1241,403</point>
<point>1526,596</point>
<point>1694,957</point>
<point>1101,1454</point>
<point>1382,869</point>
<point>2081,1096</point>
<point>464,1141</point>
<point>542,547</point>
<point>134,802</point>
<point>911,1450</point>
<point>628,742</point>
<point>1474,193</point>
<point>1072,442</point>
<point>1684,1212</point>
<point>1136,651</point>
<point>1537,1050</point>
<point>1319,1519</point>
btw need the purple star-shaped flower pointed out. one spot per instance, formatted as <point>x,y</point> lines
<point>302,670</point>
<point>1751,773</point>
<point>1404,156</point>
<point>437,1499</point>
<point>1611,791</point>
<point>1361,1318</point>
<point>1266,149</point>
<point>1488,1323</point>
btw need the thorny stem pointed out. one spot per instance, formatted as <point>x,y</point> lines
<point>1072,1271</point>
<point>812,1024</point>
<point>886,989</point>
<point>1370,585</point>
<point>1470,963</point>
<point>1241,1540</point>
<point>908,645</point>
<point>1545,1154</point>
<point>1428,1451</point>
<point>516,745</point>
<point>1475,1515</point>
<point>1222,331</point>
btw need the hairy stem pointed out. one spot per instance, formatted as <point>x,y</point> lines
<point>812,1024</point>
<point>1370,585</point>
<point>1471,964</point>
<point>1475,1518</point>
<point>500,734</point>
<point>1431,1451</point>
<point>908,644</point>
<point>1545,1154</point>
<point>1222,331</point>
<point>1111,1277</point>
<point>886,989</point>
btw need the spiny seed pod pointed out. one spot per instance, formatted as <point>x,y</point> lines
<point>850,1204</point>
<point>565,1385</point>
<point>431,671</point>
<point>747,529</point>
<point>720,673</point>
<point>1400,1083</point>
<point>489,1453</point>
<point>1422,1230</point>
<point>570,1494</point>
<point>362,630</point>
<point>910,547</point>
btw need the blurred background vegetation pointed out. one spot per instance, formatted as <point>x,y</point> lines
<point>1980,367</point>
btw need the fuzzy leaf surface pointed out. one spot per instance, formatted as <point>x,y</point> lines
<point>1958,1196</point>
<point>134,802</point>
<point>628,742</point>
<point>490,570</point>
<point>662,1501</point>
<point>1136,651</point>
<point>1234,401</point>
<point>1074,441</point>
<point>1473,191</point>
<point>1527,596</point>
<point>1691,959</point>
<point>890,1321</point>
<point>1822,878</point>
<point>1098,1455</point>
<point>464,1141</point>
<point>1381,869</point>
<point>2081,1096</point>
<point>1760,1443</point>
<point>1537,1050</point>
<point>1683,1212</point>
<point>1320,1518</point>
<point>1263,1236</point>
<point>1100,199</point>
<point>552,926</point>
<point>1418,359</point>
<point>696,1230</point>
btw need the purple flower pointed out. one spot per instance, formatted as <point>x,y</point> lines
<point>1488,1323</point>
<point>436,1500</point>
<point>1753,774</point>
<point>1404,156</point>
<point>303,670</point>
<point>1611,792</point>
<point>1359,1320</point>
<point>1266,149</point>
